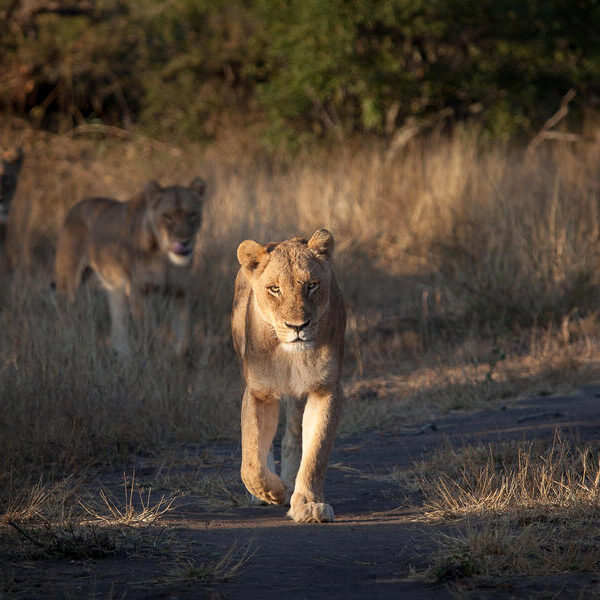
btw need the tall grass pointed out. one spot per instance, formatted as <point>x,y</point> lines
<point>68,399</point>
<point>446,253</point>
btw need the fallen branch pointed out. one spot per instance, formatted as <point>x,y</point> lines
<point>553,413</point>
<point>117,132</point>
<point>545,133</point>
<point>414,431</point>
<point>26,535</point>
<point>26,11</point>
<point>411,128</point>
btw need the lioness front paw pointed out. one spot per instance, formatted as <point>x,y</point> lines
<point>312,512</point>
<point>271,493</point>
<point>257,501</point>
<point>267,496</point>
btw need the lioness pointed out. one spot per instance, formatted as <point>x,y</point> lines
<point>135,247</point>
<point>10,166</point>
<point>288,327</point>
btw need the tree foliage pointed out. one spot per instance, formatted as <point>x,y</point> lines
<point>310,67</point>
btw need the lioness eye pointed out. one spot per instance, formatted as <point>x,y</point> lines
<point>312,286</point>
<point>274,289</point>
<point>167,218</point>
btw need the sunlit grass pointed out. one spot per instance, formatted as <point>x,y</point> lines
<point>70,519</point>
<point>526,508</point>
<point>470,276</point>
<point>136,508</point>
<point>527,478</point>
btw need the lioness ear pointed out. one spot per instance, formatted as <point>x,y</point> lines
<point>249,254</point>
<point>321,243</point>
<point>151,190</point>
<point>198,186</point>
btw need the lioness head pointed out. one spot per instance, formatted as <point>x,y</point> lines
<point>174,216</point>
<point>291,282</point>
<point>10,165</point>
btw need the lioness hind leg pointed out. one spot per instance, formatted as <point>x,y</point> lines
<point>182,326</point>
<point>319,425</point>
<point>291,445</point>
<point>259,423</point>
<point>119,310</point>
<point>71,259</point>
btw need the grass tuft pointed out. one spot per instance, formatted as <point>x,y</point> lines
<point>559,477</point>
<point>53,521</point>
<point>527,508</point>
<point>136,510</point>
<point>216,569</point>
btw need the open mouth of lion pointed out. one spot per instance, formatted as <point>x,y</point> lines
<point>180,253</point>
<point>180,249</point>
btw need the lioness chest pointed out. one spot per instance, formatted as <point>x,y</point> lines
<point>122,263</point>
<point>294,373</point>
<point>142,272</point>
<point>163,279</point>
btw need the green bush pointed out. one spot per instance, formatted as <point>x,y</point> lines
<point>312,68</point>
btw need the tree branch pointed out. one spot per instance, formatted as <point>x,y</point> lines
<point>25,14</point>
<point>555,119</point>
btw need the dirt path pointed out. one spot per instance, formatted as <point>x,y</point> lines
<point>367,553</point>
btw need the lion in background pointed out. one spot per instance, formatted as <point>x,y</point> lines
<point>10,167</point>
<point>141,246</point>
<point>288,326</point>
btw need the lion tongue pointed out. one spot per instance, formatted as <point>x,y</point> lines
<point>180,248</point>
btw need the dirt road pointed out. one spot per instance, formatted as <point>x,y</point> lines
<point>369,552</point>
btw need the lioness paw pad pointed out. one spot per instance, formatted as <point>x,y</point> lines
<point>312,512</point>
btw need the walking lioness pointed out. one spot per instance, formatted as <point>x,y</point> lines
<point>135,247</point>
<point>288,326</point>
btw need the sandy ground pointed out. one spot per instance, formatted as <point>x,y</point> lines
<point>369,552</point>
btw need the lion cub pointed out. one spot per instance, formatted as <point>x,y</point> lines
<point>137,247</point>
<point>288,327</point>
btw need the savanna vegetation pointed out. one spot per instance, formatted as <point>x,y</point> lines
<point>467,254</point>
<point>296,70</point>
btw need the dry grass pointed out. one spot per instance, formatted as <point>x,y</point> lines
<point>530,508</point>
<point>515,477</point>
<point>63,520</point>
<point>201,474</point>
<point>214,488</point>
<point>24,501</point>
<point>68,520</point>
<point>136,509</point>
<point>219,568</point>
<point>469,273</point>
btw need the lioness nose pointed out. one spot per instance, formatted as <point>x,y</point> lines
<point>298,328</point>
